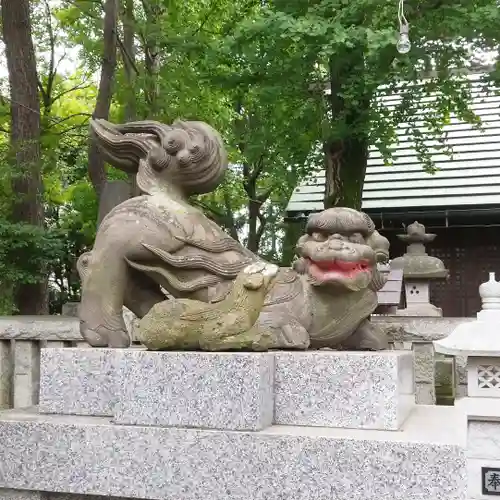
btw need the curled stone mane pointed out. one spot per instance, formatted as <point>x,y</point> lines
<point>188,154</point>
<point>340,220</point>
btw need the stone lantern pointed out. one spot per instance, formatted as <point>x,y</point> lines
<point>418,270</point>
<point>479,341</point>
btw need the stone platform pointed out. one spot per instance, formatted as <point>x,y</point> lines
<point>93,456</point>
<point>230,391</point>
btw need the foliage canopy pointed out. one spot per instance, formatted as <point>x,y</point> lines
<point>292,85</point>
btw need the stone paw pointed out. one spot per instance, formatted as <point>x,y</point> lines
<point>368,337</point>
<point>102,336</point>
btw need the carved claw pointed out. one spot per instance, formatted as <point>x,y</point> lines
<point>104,337</point>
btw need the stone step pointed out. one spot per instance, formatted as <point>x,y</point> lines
<point>234,391</point>
<point>93,456</point>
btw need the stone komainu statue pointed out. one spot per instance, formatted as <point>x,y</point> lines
<point>159,241</point>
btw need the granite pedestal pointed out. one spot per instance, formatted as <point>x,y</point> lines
<point>234,391</point>
<point>93,456</point>
<point>185,426</point>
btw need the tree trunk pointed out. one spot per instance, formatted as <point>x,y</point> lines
<point>130,67</point>
<point>229,215</point>
<point>97,172</point>
<point>25,136</point>
<point>153,10</point>
<point>293,231</point>
<point>128,57</point>
<point>346,150</point>
<point>256,219</point>
<point>345,167</point>
<point>253,233</point>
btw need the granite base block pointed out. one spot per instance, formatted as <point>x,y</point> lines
<point>197,389</point>
<point>357,390</point>
<point>135,386</point>
<point>92,456</point>
<point>81,381</point>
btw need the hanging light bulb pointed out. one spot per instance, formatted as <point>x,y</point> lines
<point>403,45</point>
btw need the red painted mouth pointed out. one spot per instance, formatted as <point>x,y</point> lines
<point>338,267</point>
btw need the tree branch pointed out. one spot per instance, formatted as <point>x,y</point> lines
<point>80,86</point>
<point>128,56</point>
<point>61,120</point>
<point>258,168</point>
<point>59,61</point>
<point>70,129</point>
<point>118,39</point>
<point>47,101</point>
<point>261,198</point>
<point>212,9</point>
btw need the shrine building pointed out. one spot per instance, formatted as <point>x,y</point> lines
<point>460,203</point>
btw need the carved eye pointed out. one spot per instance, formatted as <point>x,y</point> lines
<point>318,236</point>
<point>357,238</point>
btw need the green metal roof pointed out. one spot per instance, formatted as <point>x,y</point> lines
<point>470,177</point>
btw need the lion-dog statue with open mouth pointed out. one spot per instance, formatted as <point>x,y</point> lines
<point>159,241</point>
